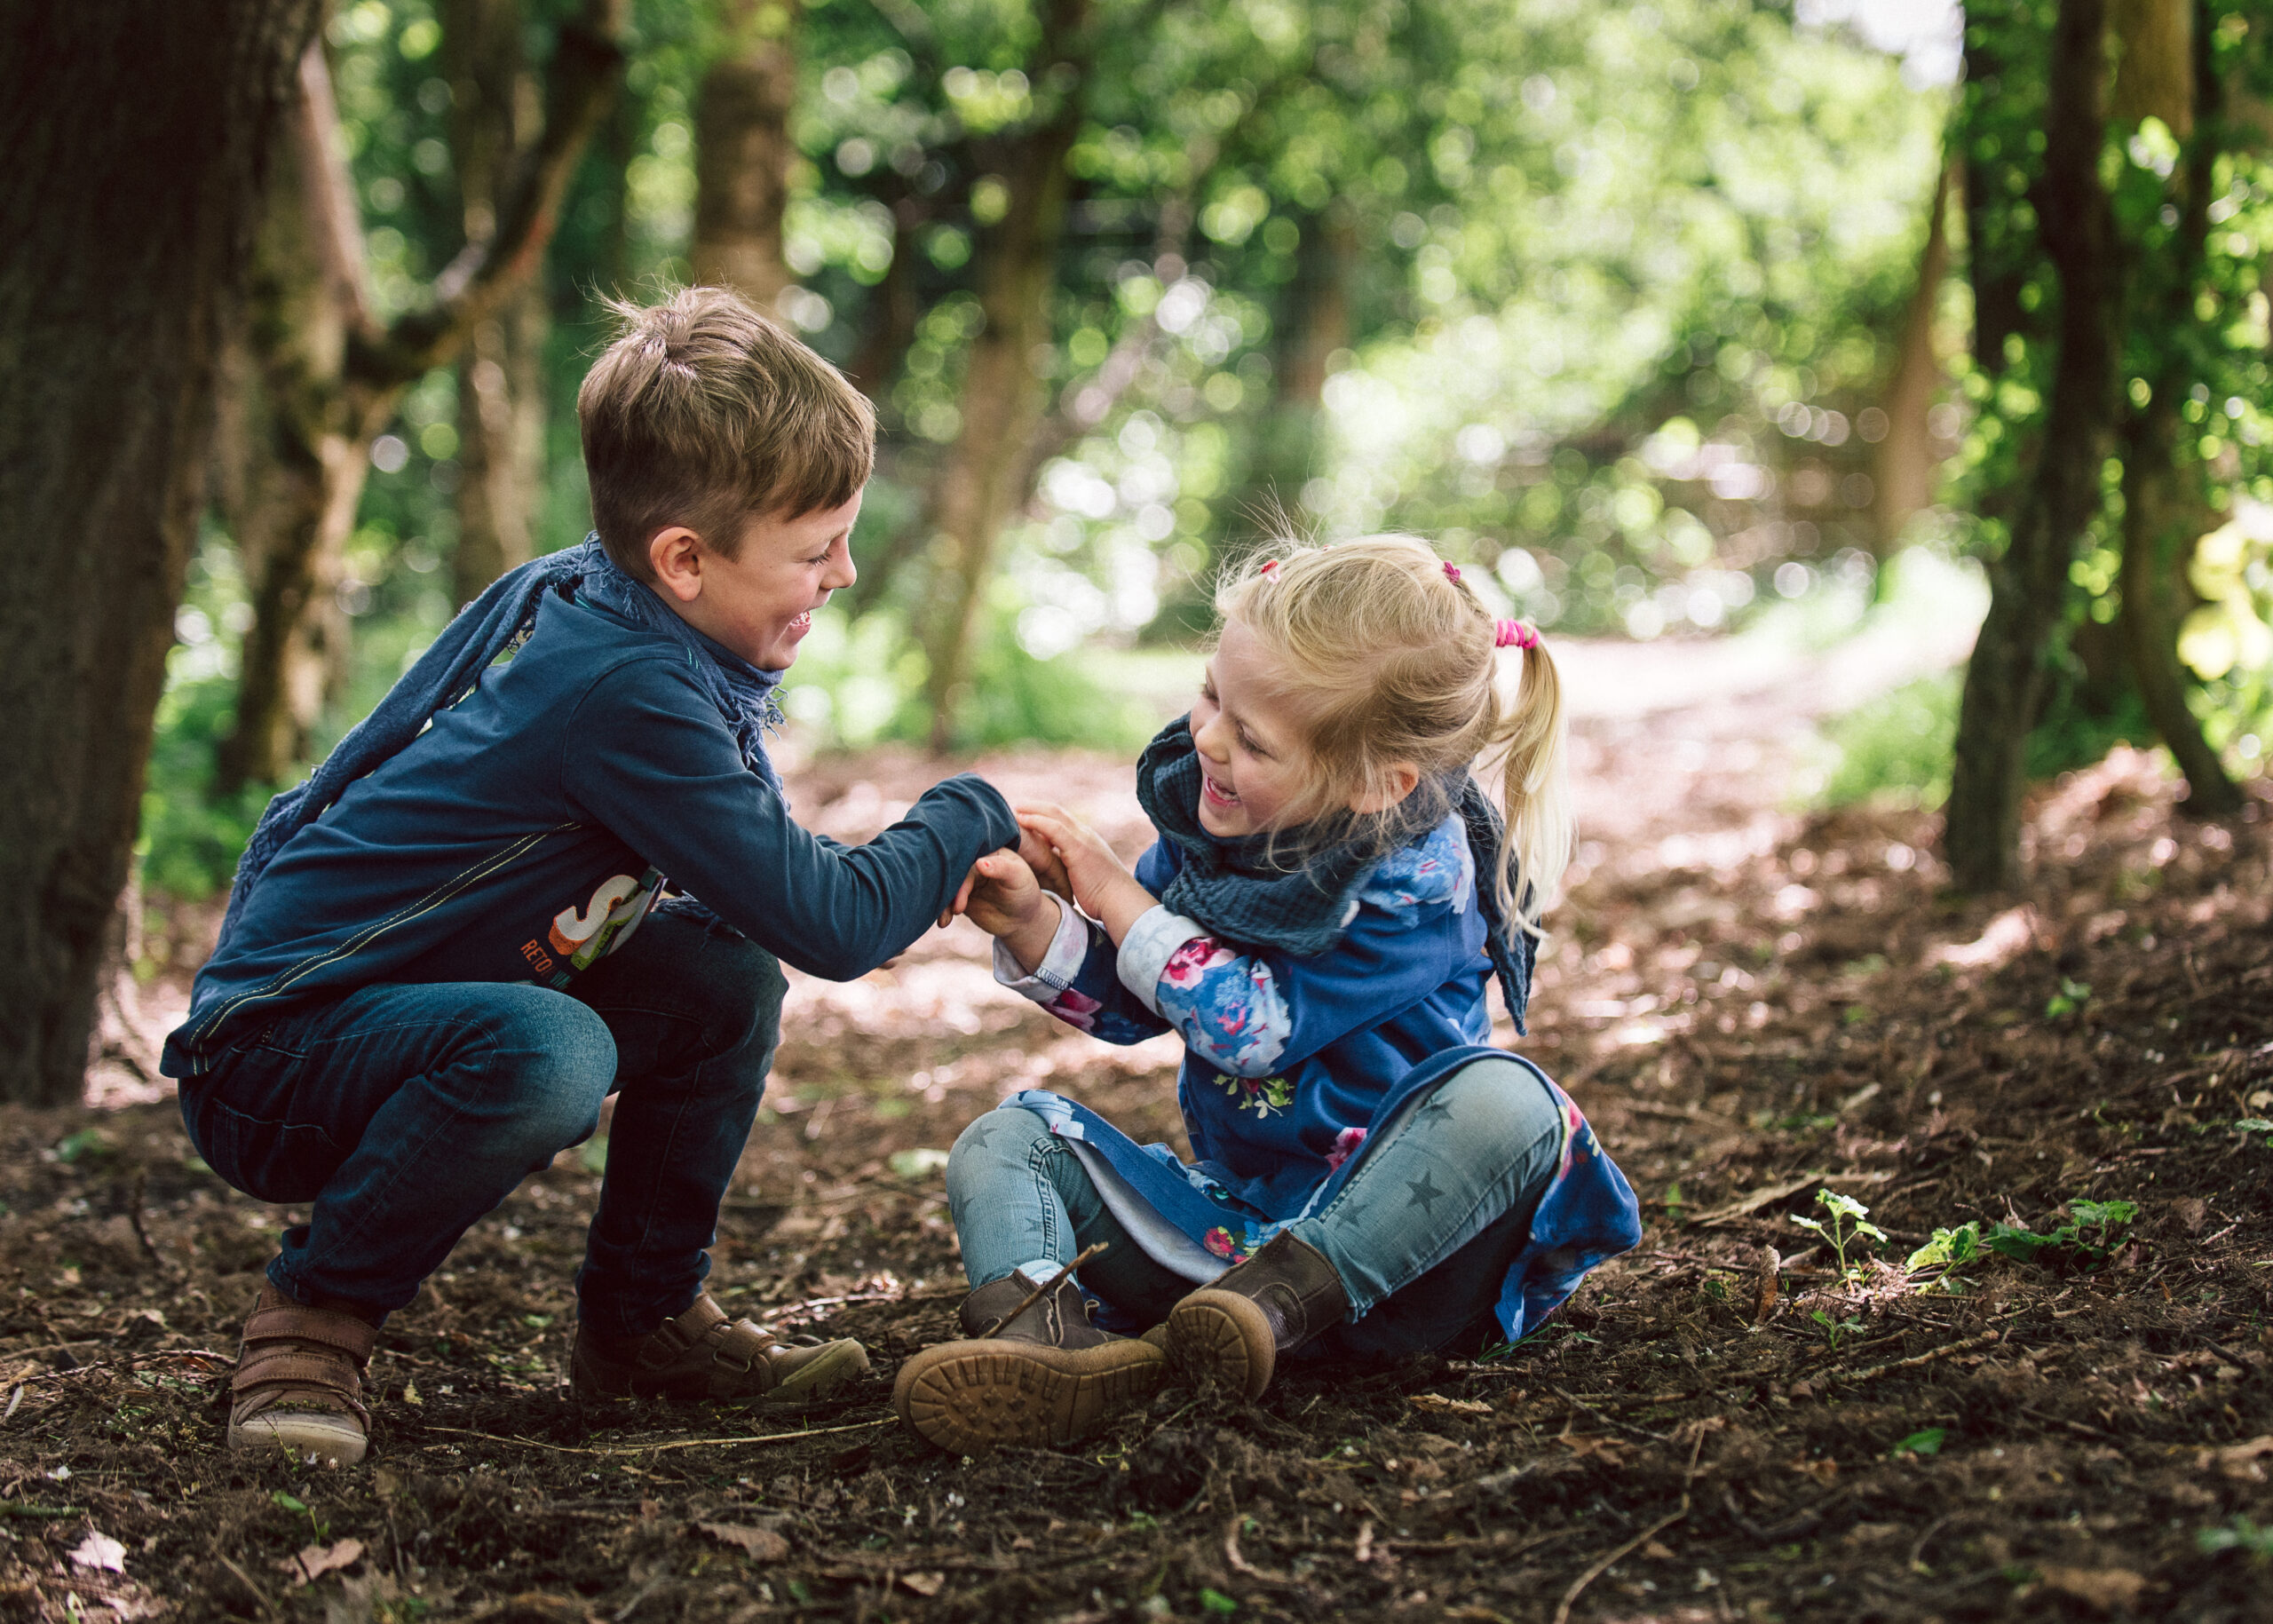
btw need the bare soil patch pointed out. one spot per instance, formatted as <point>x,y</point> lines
<point>1752,1005</point>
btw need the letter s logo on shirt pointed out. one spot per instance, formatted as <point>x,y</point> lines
<point>606,922</point>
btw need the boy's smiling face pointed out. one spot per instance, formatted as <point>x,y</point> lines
<point>760,603</point>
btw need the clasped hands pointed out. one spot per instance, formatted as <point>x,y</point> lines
<point>1059,854</point>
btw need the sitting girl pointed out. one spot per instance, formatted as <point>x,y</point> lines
<point>1328,897</point>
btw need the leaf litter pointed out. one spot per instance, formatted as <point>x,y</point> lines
<point>1753,1006</point>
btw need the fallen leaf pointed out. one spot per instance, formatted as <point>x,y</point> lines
<point>1440,1403</point>
<point>925,1585</point>
<point>2244,1462</point>
<point>2106,1588</point>
<point>315,1561</point>
<point>758,1544</point>
<point>100,1551</point>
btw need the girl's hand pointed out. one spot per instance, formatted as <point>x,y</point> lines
<point>1002,897</point>
<point>1101,881</point>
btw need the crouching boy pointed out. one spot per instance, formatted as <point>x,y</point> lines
<point>517,887</point>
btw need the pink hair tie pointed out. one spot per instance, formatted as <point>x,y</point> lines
<point>1269,571</point>
<point>1514,634</point>
<point>1452,574</point>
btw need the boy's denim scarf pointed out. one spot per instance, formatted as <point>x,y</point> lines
<point>1282,891</point>
<point>451,667</point>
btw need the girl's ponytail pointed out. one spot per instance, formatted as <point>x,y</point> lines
<point>1535,778</point>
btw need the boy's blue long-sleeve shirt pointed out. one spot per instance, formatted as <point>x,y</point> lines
<point>532,827</point>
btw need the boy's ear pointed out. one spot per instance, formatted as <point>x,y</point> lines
<point>675,555</point>
<point>1401,778</point>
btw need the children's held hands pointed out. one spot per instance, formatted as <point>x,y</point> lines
<point>1100,880</point>
<point>1037,853</point>
<point>1004,898</point>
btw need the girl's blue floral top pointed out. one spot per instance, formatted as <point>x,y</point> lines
<point>1291,1064</point>
<point>1286,1059</point>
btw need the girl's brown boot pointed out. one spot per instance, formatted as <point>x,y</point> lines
<point>1235,1329</point>
<point>1040,1373</point>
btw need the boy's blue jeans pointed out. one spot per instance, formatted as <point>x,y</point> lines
<point>1487,1141</point>
<point>403,1113</point>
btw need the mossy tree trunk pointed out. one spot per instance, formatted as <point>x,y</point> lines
<point>139,137</point>
<point>977,481</point>
<point>2028,580</point>
<point>332,398</point>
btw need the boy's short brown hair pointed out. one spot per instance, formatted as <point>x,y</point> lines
<point>703,412</point>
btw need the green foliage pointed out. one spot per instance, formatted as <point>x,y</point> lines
<point>1926,1441</point>
<point>2241,1535</point>
<point>2259,1125</point>
<point>1833,1330</point>
<point>2091,1231</point>
<point>1896,747</point>
<point>1946,1252</point>
<point>2072,996</point>
<point>85,1143</point>
<point>1849,1225</point>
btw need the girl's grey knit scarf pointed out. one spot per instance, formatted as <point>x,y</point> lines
<point>452,666</point>
<point>1297,891</point>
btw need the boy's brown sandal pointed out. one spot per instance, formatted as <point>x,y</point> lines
<point>1046,1376</point>
<point>703,1355</point>
<point>299,1381</point>
<point>1235,1329</point>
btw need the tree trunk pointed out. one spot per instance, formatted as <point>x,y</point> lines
<point>1002,398</point>
<point>2028,582</point>
<point>1314,322</point>
<point>2164,509</point>
<point>306,458</point>
<point>137,138</point>
<point>335,400</point>
<point>500,391</point>
<point>1907,470</point>
<point>744,152</point>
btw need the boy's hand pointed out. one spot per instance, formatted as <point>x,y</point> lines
<point>1004,898</point>
<point>1101,881</point>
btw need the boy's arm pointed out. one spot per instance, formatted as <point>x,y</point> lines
<point>644,755</point>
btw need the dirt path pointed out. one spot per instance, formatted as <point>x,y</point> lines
<point>1752,1005</point>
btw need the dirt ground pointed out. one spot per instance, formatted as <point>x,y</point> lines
<point>1752,1005</point>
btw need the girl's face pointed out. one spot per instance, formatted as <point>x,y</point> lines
<point>1252,765</point>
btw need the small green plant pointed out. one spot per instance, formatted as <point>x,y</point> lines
<point>1849,1224</point>
<point>2257,1124</point>
<point>1927,1441</point>
<point>1215,1601</point>
<point>1834,1329</point>
<point>2072,996</point>
<point>2092,1229</point>
<point>2242,1535</point>
<point>1949,1250</point>
<point>78,1146</point>
<point>299,1508</point>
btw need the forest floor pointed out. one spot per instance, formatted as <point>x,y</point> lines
<point>1753,1004</point>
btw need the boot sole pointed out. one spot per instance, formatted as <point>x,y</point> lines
<point>1222,1336</point>
<point>333,1439</point>
<point>974,1396</point>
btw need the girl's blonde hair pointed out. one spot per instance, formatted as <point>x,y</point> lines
<point>1386,657</point>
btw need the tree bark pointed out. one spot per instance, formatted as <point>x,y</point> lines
<point>1907,470</point>
<point>975,488</point>
<point>2028,582</point>
<point>137,137</point>
<point>339,400</point>
<point>501,386</point>
<point>2164,508</point>
<point>1314,322</point>
<point>744,152</point>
